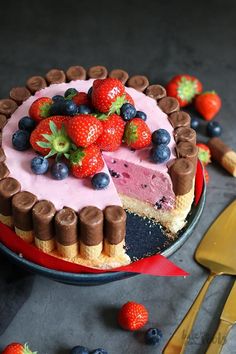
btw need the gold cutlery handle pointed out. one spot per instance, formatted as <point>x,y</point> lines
<point>179,339</point>
<point>219,338</point>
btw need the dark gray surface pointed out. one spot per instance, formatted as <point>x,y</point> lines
<point>159,40</point>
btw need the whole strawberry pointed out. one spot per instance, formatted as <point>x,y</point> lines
<point>113,130</point>
<point>50,138</point>
<point>17,348</point>
<point>108,95</point>
<point>204,153</point>
<point>132,316</point>
<point>208,104</point>
<point>86,161</point>
<point>84,129</point>
<point>81,98</point>
<point>137,134</point>
<point>184,88</point>
<point>40,108</point>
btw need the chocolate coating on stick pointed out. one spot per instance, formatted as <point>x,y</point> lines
<point>66,226</point>
<point>7,107</point>
<point>169,104</point>
<point>182,173</point>
<point>2,155</point>
<point>55,76</point>
<point>114,224</point>
<point>218,148</point>
<point>43,220</point>
<point>22,204</point>
<point>185,134</point>
<point>138,82</point>
<point>91,225</point>
<point>19,94</point>
<point>180,119</point>
<point>3,120</point>
<point>36,83</point>
<point>76,72</point>
<point>97,72</point>
<point>119,74</point>
<point>8,188</point>
<point>4,172</point>
<point>156,92</point>
<point>187,150</point>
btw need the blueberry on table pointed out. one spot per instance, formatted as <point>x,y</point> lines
<point>79,349</point>
<point>69,108</point>
<point>99,351</point>
<point>21,140</point>
<point>58,98</point>
<point>83,109</point>
<point>141,114</point>
<point>194,123</point>
<point>27,123</point>
<point>160,153</point>
<point>100,180</point>
<point>153,336</point>
<point>70,93</point>
<point>59,170</point>
<point>39,165</point>
<point>127,111</point>
<point>160,136</point>
<point>214,129</point>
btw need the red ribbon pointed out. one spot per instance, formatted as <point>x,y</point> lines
<point>199,182</point>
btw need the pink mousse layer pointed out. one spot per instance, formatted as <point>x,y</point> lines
<point>141,179</point>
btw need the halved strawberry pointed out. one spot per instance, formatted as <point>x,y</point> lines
<point>137,134</point>
<point>86,161</point>
<point>113,130</point>
<point>84,129</point>
<point>184,88</point>
<point>17,348</point>
<point>50,137</point>
<point>81,98</point>
<point>108,95</point>
<point>40,108</point>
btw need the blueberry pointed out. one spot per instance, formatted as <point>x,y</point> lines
<point>160,153</point>
<point>79,349</point>
<point>57,108</point>
<point>195,123</point>
<point>99,351</point>
<point>39,165</point>
<point>70,93</point>
<point>153,336</point>
<point>69,108</point>
<point>83,109</point>
<point>214,129</point>
<point>59,170</point>
<point>58,98</point>
<point>100,180</point>
<point>21,140</point>
<point>90,92</point>
<point>160,136</point>
<point>27,123</point>
<point>127,111</point>
<point>142,115</point>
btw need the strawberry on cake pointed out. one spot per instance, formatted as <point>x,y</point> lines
<point>76,156</point>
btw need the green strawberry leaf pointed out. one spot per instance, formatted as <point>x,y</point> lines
<point>45,110</point>
<point>43,144</point>
<point>77,157</point>
<point>67,156</point>
<point>48,137</point>
<point>131,134</point>
<point>53,127</point>
<point>117,104</point>
<point>51,153</point>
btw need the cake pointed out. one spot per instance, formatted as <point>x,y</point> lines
<point>69,218</point>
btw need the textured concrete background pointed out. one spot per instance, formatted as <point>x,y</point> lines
<point>158,39</point>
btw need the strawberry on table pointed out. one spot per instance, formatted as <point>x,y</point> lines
<point>50,137</point>
<point>40,108</point>
<point>86,161</point>
<point>17,348</point>
<point>108,95</point>
<point>132,316</point>
<point>137,134</point>
<point>208,104</point>
<point>204,153</point>
<point>184,88</point>
<point>84,129</point>
<point>113,130</point>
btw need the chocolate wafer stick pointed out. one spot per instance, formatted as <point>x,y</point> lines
<point>223,154</point>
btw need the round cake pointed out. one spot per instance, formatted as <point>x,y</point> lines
<point>109,144</point>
